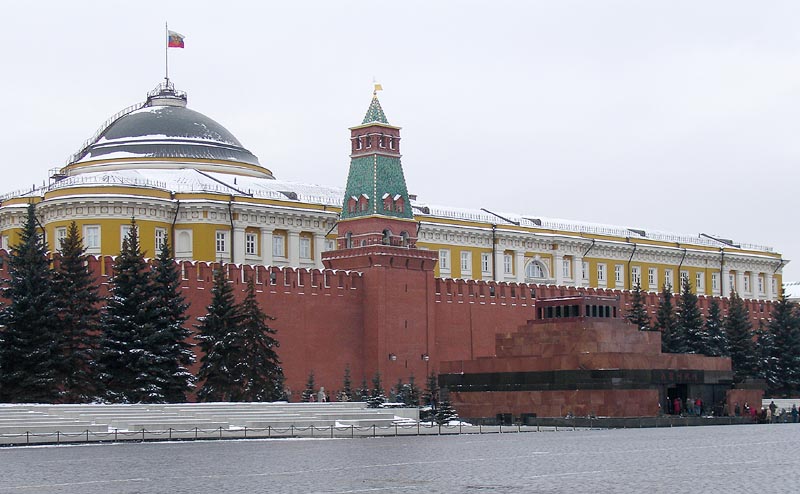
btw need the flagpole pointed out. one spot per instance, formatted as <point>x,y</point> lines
<point>166,53</point>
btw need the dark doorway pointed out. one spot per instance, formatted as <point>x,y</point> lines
<point>679,391</point>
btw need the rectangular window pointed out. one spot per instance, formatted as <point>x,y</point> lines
<point>715,282</point>
<point>124,231</point>
<point>222,241</point>
<point>761,284</point>
<point>636,275</point>
<point>161,239</point>
<point>5,243</point>
<point>699,283</point>
<point>466,263</point>
<point>732,282</point>
<point>668,279</point>
<point>330,244</point>
<point>444,260</point>
<point>601,273</point>
<point>774,281</point>
<point>566,269</point>
<point>652,278</point>
<point>91,238</point>
<point>584,270</point>
<point>250,244</point>
<point>305,248</point>
<point>618,274</point>
<point>278,246</point>
<point>61,234</point>
<point>486,263</point>
<point>746,283</point>
<point>508,264</point>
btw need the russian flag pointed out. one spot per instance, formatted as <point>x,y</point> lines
<point>174,40</point>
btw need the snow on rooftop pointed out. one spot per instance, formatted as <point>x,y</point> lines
<point>792,289</point>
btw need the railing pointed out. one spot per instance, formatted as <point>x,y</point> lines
<point>88,142</point>
<point>311,431</point>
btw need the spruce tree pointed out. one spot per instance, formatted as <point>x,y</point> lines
<point>766,358</point>
<point>738,331</point>
<point>29,341</point>
<point>171,337</point>
<point>377,396</point>
<point>397,393</point>
<point>445,412</point>
<point>690,321</point>
<point>637,314</point>
<point>412,396</point>
<point>215,334</point>
<point>362,394</point>
<point>431,396</point>
<point>257,366</point>
<point>784,325</point>
<point>79,320</point>
<point>131,368</point>
<point>346,394</point>
<point>308,392</point>
<point>666,322</point>
<point>716,343</point>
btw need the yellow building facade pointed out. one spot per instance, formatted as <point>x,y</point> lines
<point>185,179</point>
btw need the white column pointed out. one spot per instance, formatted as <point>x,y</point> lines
<point>577,270</point>
<point>740,283</point>
<point>266,246</point>
<point>768,287</point>
<point>238,245</point>
<point>319,246</point>
<point>754,285</point>
<point>558,267</point>
<point>499,266</point>
<point>293,249</point>
<point>520,266</point>
<point>725,281</point>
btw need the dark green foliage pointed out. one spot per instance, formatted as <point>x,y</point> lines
<point>362,393</point>
<point>129,359</point>
<point>396,393</point>
<point>29,342</point>
<point>689,326</point>
<point>637,314</point>
<point>740,339</point>
<point>666,322</point>
<point>766,359</point>
<point>79,318</point>
<point>716,343</point>
<point>259,376</point>
<point>216,334</point>
<point>431,396</point>
<point>346,394</point>
<point>784,326</point>
<point>377,396</point>
<point>308,392</point>
<point>170,340</point>
<point>412,393</point>
<point>445,411</point>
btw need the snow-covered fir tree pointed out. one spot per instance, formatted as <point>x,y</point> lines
<point>256,363</point>
<point>717,342</point>
<point>690,321</point>
<point>171,338</point>
<point>396,394</point>
<point>29,342</point>
<point>79,320</point>
<point>377,395</point>
<point>129,359</point>
<point>362,393</point>
<point>784,325</point>
<point>216,334</point>
<point>445,411</point>
<point>637,314</point>
<point>766,358</point>
<point>309,393</point>
<point>666,322</point>
<point>413,393</point>
<point>431,396</point>
<point>346,394</point>
<point>740,339</point>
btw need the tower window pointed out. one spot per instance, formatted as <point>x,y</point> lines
<point>382,142</point>
<point>369,141</point>
<point>391,142</point>
<point>358,143</point>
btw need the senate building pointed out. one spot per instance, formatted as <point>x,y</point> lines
<point>361,274</point>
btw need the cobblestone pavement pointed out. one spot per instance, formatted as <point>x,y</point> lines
<point>730,459</point>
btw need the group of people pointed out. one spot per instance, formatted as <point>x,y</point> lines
<point>692,406</point>
<point>767,415</point>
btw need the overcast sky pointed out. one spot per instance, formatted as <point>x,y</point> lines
<point>679,116</point>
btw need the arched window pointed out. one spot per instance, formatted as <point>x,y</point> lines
<point>536,270</point>
<point>387,237</point>
<point>404,236</point>
<point>348,240</point>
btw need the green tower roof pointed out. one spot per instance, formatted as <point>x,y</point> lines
<point>375,112</point>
